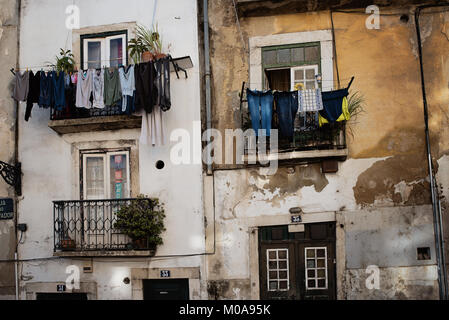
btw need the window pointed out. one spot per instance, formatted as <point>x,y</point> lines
<point>104,50</point>
<point>277,270</point>
<point>106,175</point>
<point>316,268</point>
<point>285,66</point>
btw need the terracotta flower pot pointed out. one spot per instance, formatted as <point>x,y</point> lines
<point>147,56</point>
<point>68,244</point>
<point>159,56</point>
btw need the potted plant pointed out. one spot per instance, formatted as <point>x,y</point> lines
<point>147,45</point>
<point>143,221</point>
<point>64,62</point>
<point>67,244</point>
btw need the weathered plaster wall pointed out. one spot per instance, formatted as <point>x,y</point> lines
<point>51,162</point>
<point>9,24</point>
<point>386,172</point>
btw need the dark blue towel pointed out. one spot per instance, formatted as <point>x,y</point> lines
<point>333,104</point>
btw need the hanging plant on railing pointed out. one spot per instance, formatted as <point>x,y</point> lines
<point>143,221</point>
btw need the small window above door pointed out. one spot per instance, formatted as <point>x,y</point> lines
<point>104,50</point>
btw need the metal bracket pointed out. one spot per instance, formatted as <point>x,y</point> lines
<point>12,175</point>
<point>178,68</point>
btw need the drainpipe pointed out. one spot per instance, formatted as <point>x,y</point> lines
<point>207,80</point>
<point>439,241</point>
<point>16,155</point>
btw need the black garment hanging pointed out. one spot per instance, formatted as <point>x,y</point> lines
<point>33,93</point>
<point>163,83</point>
<point>146,90</point>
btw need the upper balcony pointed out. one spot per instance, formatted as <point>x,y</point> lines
<point>86,228</point>
<point>254,8</point>
<point>88,120</point>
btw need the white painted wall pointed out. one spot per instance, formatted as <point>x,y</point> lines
<point>46,157</point>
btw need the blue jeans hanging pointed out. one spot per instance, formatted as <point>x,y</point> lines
<point>260,105</point>
<point>286,108</point>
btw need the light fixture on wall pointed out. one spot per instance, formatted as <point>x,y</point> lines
<point>126,280</point>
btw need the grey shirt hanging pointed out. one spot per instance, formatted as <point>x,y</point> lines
<point>21,86</point>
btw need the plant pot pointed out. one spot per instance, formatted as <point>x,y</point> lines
<point>159,56</point>
<point>68,244</point>
<point>140,244</point>
<point>147,56</point>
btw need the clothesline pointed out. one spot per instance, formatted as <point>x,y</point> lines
<point>175,62</point>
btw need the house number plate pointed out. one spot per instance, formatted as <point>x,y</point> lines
<point>165,273</point>
<point>61,287</point>
<point>296,218</point>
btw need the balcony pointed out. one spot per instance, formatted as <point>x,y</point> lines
<point>88,120</point>
<point>255,8</point>
<point>310,142</point>
<point>86,228</point>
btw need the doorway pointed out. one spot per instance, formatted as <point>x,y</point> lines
<point>166,289</point>
<point>299,265</point>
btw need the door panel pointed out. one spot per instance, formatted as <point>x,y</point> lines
<point>277,270</point>
<point>298,266</point>
<point>317,270</point>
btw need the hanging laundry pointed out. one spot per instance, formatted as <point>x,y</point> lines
<point>21,85</point>
<point>146,90</point>
<point>70,98</point>
<point>46,90</point>
<point>74,78</point>
<point>112,89</point>
<point>335,107</point>
<point>152,128</point>
<point>84,89</point>
<point>127,83</point>
<point>260,105</point>
<point>309,100</point>
<point>98,89</point>
<point>163,83</point>
<point>33,92</point>
<point>286,109</point>
<point>58,84</point>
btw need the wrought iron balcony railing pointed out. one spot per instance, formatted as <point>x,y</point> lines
<point>328,137</point>
<point>80,113</point>
<point>88,225</point>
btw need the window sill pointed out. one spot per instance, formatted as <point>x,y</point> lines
<point>95,124</point>
<point>99,253</point>
<point>300,155</point>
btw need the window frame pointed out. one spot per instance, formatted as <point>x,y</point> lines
<point>104,38</point>
<point>107,171</point>
<point>303,67</point>
<point>291,65</point>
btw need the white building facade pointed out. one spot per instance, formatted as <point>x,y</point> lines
<point>55,159</point>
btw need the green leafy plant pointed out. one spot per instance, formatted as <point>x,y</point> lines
<point>157,40</point>
<point>356,107</point>
<point>64,62</point>
<point>142,220</point>
<point>146,40</point>
<point>136,48</point>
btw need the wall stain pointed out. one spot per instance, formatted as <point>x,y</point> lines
<point>379,181</point>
